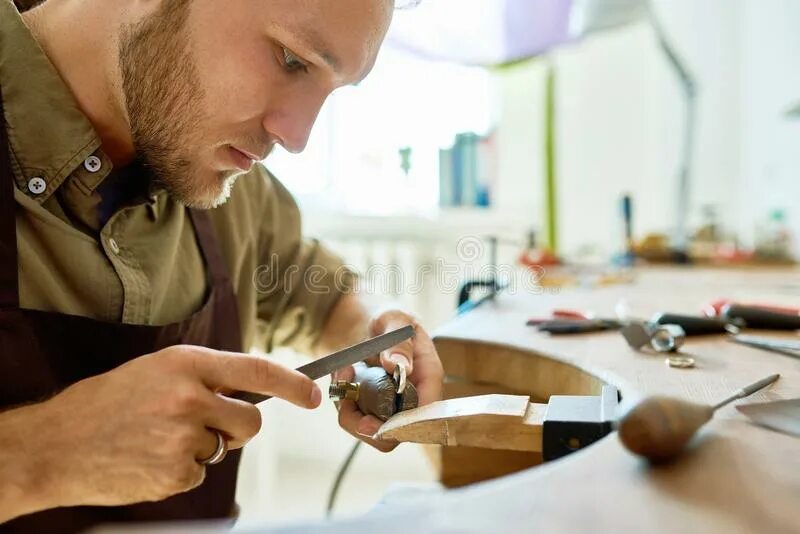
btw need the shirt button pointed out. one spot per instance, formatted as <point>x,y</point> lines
<point>114,246</point>
<point>92,164</point>
<point>37,185</point>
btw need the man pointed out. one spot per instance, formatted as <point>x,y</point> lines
<point>125,303</point>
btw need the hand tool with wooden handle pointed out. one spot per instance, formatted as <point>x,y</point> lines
<point>658,428</point>
<point>328,364</point>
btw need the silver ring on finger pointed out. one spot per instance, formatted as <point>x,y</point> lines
<point>219,454</point>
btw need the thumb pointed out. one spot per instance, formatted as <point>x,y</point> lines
<point>390,359</point>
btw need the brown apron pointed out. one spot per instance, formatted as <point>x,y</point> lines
<point>41,353</point>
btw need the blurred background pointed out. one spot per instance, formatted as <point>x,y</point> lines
<point>522,133</point>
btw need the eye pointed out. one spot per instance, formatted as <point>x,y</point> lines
<point>292,63</point>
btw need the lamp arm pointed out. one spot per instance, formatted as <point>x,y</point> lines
<point>689,87</point>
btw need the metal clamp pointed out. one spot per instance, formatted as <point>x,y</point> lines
<point>573,422</point>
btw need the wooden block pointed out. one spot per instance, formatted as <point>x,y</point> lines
<point>507,422</point>
<point>454,388</point>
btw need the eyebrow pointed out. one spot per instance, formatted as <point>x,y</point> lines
<point>314,42</point>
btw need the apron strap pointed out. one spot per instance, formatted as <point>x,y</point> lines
<point>209,247</point>
<point>228,333</point>
<point>9,277</point>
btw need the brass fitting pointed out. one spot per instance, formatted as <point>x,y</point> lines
<point>343,390</point>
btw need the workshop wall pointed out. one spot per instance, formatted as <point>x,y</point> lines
<point>770,83</point>
<point>620,125</point>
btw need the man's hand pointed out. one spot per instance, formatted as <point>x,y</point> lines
<point>137,433</point>
<point>423,368</point>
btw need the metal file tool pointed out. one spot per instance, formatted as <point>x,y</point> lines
<point>781,346</point>
<point>343,358</point>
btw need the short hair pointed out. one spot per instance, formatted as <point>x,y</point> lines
<point>25,5</point>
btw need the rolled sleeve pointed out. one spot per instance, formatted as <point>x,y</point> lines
<point>298,280</point>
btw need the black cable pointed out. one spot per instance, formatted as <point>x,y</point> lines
<point>339,477</point>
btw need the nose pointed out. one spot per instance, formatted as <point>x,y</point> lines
<point>291,120</point>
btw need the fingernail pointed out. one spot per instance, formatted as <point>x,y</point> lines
<point>399,359</point>
<point>368,429</point>
<point>316,396</point>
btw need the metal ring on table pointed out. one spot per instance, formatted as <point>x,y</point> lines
<point>680,362</point>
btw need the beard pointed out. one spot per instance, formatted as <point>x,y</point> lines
<point>163,97</point>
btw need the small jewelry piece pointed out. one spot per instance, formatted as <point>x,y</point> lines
<point>400,378</point>
<point>680,362</point>
<point>219,454</point>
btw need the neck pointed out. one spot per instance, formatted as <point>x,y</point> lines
<point>81,42</point>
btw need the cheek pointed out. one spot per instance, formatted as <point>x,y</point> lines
<point>235,81</point>
<point>233,61</point>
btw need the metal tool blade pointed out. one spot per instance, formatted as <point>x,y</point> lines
<point>783,415</point>
<point>781,346</point>
<point>328,364</point>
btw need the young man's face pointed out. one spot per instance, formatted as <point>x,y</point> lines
<point>210,85</point>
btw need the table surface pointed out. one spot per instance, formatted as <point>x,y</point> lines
<point>737,477</point>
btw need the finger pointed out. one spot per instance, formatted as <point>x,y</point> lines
<point>237,419</point>
<point>429,389</point>
<point>403,352</point>
<point>245,372</point>
<point>390,320</point>
<point>362,426</point>
<point>398,357</point>
<point>373,361</point>
<point>428,371</point>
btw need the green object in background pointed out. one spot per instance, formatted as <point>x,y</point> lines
<point>551,219</point>
<point>405,159</point>
<point>794,111</point>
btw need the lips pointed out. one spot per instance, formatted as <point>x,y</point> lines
<point>242,159</point>
<point>253,156</point>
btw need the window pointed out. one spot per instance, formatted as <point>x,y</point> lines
<point>353,162</point>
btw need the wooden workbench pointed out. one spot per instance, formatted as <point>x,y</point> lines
<point>737,477</point>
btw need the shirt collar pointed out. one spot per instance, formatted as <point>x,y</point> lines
<point>49,135</point>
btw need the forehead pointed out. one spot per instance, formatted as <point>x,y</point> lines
<point>347,33</point>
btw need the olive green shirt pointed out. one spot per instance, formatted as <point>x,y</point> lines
<point>143,265</point>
